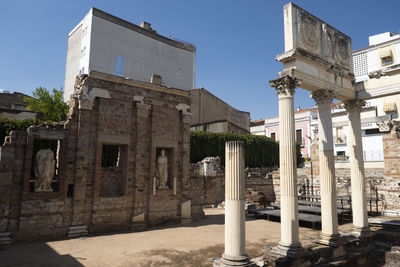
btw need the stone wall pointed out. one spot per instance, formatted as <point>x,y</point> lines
<point>208,184</point>
<point>140,118</point>
<point>382,178</point>
<point>390,186</point>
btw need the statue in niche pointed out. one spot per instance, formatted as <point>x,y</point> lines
<point>162,170</point>
<point>44,170</point>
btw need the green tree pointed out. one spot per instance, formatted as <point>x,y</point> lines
<point>50,104</point>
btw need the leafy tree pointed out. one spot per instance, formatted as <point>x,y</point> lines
<point>50,104</point>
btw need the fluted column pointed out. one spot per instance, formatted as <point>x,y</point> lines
<point>359,205</point>
<point>235,238</point>
<point>289,244</point>
<point>329,233</point>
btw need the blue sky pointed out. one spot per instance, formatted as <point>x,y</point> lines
<point>236,41</point>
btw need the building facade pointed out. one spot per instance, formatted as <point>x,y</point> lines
<point>13,107</point>
<point>108,44</point>
<point>120,161</point>
<point>303,132</point>
<point>211,114</point>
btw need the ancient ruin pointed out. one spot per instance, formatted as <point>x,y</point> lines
<point>95,172</point>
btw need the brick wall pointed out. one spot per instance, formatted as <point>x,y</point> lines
<point>140,118</point>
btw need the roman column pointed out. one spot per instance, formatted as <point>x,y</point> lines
<point>235,238</point>
<point>289,244</point>
<point>329,233</point>
<point>359,205</point>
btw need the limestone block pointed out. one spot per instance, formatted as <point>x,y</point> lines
<point>186,211</point>
<point>77,231</point>
<point>209,166</point>
<point>138,218</point>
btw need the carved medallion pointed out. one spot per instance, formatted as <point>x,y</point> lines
<point>308,31</point>
<point>342,50</point>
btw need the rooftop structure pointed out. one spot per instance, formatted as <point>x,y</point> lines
<point>108,44</point>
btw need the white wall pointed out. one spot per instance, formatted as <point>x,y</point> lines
<point>102,41</point>
<point>143,56</point>
<point>78,41</point>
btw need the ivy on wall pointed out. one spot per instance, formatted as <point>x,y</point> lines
<point>260,151</point>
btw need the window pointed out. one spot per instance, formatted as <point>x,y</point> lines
<point>299,136</point>
<point>340,153</point>
<point>273,136</point>
<point>372,131</point>
<point>119,66</point>
<point>386,55</point>
<point>110,156</point>
<point>360,64</point>
<point>340,137</point>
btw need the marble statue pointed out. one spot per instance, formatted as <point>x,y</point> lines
<point>44,170</point>
<point>162,170</point>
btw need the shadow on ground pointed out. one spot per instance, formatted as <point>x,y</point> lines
<point>201,257</point>
<point>35,254</point>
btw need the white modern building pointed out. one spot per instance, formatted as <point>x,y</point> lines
<point>377,67</point>
<point>108,44</point>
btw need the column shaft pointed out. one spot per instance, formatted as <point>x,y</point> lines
<point>359,205</point>
<point>288,179</point>
<point>235,238</point>
<point>289,244</point>
<point>329,232</point>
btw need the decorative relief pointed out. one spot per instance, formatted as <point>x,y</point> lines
<point>323,96</point>
<point>44,170</point>
<point>342,50</point>
<point>186,115</point>
<point>354,105</point>
<point>184,108</point>
<point>328,40</point>
<point>308,31</point>
<point>285,86</point>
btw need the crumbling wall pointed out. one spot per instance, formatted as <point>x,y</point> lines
<point>138,118</point>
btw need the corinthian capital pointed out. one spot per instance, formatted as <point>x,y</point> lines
<point>323,96</point>
<point>354,105</point>
<point>285,86</point>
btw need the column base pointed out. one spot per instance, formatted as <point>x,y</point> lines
<point>293,251</point>
<point>186,220</point>
<point>5,239</point>
<point>227,261</point>
<point>77,231</point>
<point>361,232</point>
<point>330,240</point>
<point>335,242</point>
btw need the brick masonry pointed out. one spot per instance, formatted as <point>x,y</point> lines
<point>138,117</point>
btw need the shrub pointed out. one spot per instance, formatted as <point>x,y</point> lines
<point>260,151</point>
<point>7,125</point>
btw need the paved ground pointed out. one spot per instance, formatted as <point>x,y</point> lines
<point>190,245</point>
